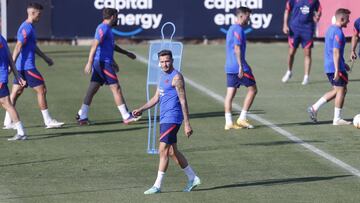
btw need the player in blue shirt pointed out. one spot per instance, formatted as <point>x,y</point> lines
<point>238,72</point>
<point>304,14</point>
<point>24,55</point>
<point>5,62</point>
<point>173,111</point>
<point>355,39</point>
<point>103,67</point>
<point>335,68</point>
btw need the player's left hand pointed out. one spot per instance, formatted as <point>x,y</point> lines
<point>347,67</point>
<point>131,55</point>
<point>188,130</point>
<point>353,56</point>
<point>22,82</point>
<point>316,16</point>
<point>49,61</point>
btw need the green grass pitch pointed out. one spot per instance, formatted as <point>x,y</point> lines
<point>107,161</point>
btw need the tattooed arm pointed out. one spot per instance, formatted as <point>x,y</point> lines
<point>152,102</point>
<point>179,84</point>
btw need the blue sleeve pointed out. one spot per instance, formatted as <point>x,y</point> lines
<point>99,34</point>
<point>23,34</point>
<point>357,26</point>
<point>289,5</point>
<point>237,36</point>
<point>338,40</point>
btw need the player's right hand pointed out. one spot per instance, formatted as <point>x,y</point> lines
<point>131,55</point>
<point>336,76</point>
<point>286,29</point>
<point>87,69</point>
<point>137,112</point>
<point>241,74</point>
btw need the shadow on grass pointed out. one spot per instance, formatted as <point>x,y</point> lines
<point>272,182</point>
<point>230,147</point>
<point>93,123</point>
<point>69,193</point>
<point>277,143</point>
<point>319,81</point>
<point>32,162</point>
<point>299,124</point>
<point>221,114</point>
<point>62,134</point>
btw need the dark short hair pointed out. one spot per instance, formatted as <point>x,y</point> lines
<point>342,12</point>
<point>35,5</point>
<point>108,12</point>
<point>165,52</point>
<point>242,10</point>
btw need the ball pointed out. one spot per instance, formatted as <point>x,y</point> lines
<point>356,121</point>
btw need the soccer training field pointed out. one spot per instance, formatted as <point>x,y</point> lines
<point>107,161</point>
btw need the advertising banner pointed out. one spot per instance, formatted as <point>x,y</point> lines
<point>142,19</point>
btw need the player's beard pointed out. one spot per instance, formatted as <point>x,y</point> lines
<point>114,23</point>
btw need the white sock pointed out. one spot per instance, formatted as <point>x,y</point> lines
<point>337,113</point>
<point>124,112</point>
<point>20,128</point>
<point>288,72</point>
<point>83,112</point>
<point>243,115</point>
<point>189,172</point>
<point>7,119</point>
<point>159,178</point>
<point>319,103</point>
<point>46,116</point>
<point>228,119</point>
<point>306,77</point>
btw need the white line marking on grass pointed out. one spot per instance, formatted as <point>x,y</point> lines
<point>276,128</point>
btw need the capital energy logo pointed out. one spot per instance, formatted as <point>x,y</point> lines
<point>142,20</point>
<point>225,18</point>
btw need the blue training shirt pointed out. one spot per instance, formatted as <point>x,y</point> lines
<point>357,26</point>
<point>27,36</point>
<point>302,14</point>
<point>4,60</point>
<point>105,50</point>
<point>334,38</point>
<point>235,36</point>
<point>170,107</point>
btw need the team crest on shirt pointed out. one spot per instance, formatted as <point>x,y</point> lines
<point>167,81</point>
<point>1,45</point>
<point>305,10</point>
